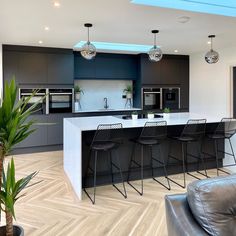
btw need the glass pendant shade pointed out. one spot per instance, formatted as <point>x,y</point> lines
<point>212,56</point>
<point>88,50</point>
<point>155,54</point>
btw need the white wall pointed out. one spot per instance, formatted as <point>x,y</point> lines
<point>210,85</point>
<point>96,90</point>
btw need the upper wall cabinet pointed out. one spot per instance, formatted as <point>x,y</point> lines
<point>107,66</point>
<point>36,65</point>
<point>169,71</point>
<point>60,68</point>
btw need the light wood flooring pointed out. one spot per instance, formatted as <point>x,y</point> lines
<point>50,208</point>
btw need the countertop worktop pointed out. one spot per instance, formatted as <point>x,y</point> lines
<point>91,123</point>
<point>108,110</point>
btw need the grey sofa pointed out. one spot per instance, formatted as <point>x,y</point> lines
<point>208,208</point>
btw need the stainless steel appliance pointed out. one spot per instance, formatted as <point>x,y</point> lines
<point>171,97</point>
<point>60,100</point>
<point>151,99</point>
<point>158,98</point>
<point>39,96</point>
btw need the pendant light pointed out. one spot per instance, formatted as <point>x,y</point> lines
<point>88,50</point>
<point>212,56</point>
<point>155,53</point>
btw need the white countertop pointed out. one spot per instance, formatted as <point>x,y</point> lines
<point>91,123</point>
<point>108,110</point>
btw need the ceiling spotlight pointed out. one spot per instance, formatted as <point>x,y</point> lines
<point>40,42</point>
<point>57,4</point>
<point>155,53</point>
<point>211,56</point>
<point>176,51</point>
<point>209,42</point>
<point>88,50</point>
<point>46,28</point>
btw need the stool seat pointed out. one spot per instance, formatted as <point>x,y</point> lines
<point>147,141</point>
<point>219,136</point>
<point>185,139</point>
<point>104,145</point>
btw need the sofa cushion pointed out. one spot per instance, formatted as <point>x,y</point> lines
<point>213,204</point>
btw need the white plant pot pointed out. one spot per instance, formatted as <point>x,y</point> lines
<point>134,117</point>
<point>150,116</point>
<point>77,96</point>
<point>128,95</point>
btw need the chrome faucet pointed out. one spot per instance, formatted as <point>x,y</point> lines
<point>105,103</point>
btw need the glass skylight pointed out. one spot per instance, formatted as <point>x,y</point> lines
<point>117,46</point>
<point>218,7</point>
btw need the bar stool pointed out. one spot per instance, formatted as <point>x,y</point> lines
<point>152,134</point>
<point>193,132</point>
<point>224,131</point>
<point>105,140</point>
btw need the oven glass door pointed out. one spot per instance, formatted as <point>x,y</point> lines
<point>60,103</point>
<point>151,100</point>
<point>171,98</point>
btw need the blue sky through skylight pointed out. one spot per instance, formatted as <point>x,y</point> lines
<point>117,46</point>
<point>218,7</point>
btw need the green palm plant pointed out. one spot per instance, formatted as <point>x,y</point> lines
<point>10,193</point>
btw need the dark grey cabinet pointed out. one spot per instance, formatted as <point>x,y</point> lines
<point>39,136</point>
<point>32,68</point>
<point>60,68</point>
<point>107,66</point>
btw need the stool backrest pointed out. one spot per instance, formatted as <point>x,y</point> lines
<point>107,132</point>
<point>156,130</point>
<point>194,128</point>
<point>227,127</point>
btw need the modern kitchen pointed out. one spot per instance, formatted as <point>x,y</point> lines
<point>128,108</point>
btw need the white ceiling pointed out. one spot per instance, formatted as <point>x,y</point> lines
<point>22,23</point>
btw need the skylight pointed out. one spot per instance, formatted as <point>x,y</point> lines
<point>117,46</point>
<point>218,7</point>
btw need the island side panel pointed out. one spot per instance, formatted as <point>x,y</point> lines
<point>73,155</point>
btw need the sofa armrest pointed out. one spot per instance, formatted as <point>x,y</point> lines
<point>179,219</point>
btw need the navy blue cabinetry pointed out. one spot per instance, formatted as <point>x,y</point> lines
<point>107,66</point>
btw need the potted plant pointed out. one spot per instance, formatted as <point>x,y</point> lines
<point>14,126</point>
<point>78,91</point>
<point>166,112</point>
<point>9,194</point>
<point>150,115</point>
<point>129,91</point>
<point>134,115</point>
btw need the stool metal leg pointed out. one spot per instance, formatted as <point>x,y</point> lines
<point>216,156</point>
<point>94,180</point>
<point>121,175</point>
<point>163,165</point>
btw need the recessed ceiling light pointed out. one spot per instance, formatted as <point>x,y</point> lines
<point>46,28</point>
<point>40,42</point>
<point>176,50</point>
<point>209,42</point>
<point>57,4</point>
<point>184,19</point>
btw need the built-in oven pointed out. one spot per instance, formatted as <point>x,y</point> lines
<point>151,99</point>
<point>60,100</point>
<point>171,98</point>
<point>35,96</point>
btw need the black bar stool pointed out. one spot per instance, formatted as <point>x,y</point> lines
<point>193,132</point>
<point>224,131</point>
<point>105,140</point>
<point>153,134</point>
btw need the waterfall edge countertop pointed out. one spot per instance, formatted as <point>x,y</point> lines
<point>72,135</point>
<point>91,123</point>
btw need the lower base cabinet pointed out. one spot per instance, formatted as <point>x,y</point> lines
<point>48,130</point>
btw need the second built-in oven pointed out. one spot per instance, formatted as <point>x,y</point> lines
<point>151,99</point>
<point>60,100</point>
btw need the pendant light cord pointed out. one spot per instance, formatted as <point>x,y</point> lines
<point>88,36</point>
<point>211,44</point>
<point>155,39</point>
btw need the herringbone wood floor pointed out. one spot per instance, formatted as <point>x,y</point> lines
<point>51,208</point>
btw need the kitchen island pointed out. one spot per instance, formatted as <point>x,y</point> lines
<point>78,132</point>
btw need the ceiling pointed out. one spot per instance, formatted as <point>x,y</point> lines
<point>22,23</point>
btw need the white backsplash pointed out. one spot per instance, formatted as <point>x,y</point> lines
<point>96,90</point>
